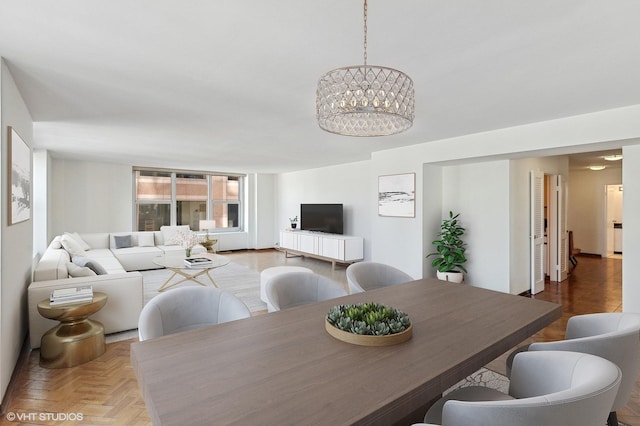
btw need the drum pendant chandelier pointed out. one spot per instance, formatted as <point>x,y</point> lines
<point>365,100</point>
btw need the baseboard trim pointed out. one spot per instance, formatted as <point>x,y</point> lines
<point>588,255</point>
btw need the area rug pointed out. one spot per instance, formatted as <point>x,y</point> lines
<point>234,278</point>
<point>483,377</point>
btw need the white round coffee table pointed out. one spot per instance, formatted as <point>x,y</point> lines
<point>175,263</point>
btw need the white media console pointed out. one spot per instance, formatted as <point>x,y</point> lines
<point>331,247</point>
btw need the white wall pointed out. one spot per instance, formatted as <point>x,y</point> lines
<point>349,184</point>
<point>586,216</point>
<point>91,197</point>
<point>403,242</point>
<point>432,212</point>
<point>16,246</point>
<point>42,219</point>
<point>631,229</point>
<point>264,191</point>
<point>98,197</point>
<point>480,193</point>
<point>399,241</point>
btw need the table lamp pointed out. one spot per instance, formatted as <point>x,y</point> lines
<point>206,225</point>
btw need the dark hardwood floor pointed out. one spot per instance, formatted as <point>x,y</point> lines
<point>105,391</point>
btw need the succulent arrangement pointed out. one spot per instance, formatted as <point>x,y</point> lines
<point>368,319</point>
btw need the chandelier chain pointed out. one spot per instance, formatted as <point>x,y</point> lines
<point>365,33</point>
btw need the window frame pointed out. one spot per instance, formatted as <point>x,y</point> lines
<point>210,202</point>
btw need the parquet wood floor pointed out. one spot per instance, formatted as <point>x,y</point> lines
<point>105,391</point>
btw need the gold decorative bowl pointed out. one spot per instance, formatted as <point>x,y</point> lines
<point>369,340</point>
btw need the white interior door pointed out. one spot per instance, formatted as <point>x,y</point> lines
<point>536,233</point>
<point>557,233</point>
<point>613,205</point>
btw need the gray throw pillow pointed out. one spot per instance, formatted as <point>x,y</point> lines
<point>89,263</point>
<point>122,241</point>
<point>78,271</point>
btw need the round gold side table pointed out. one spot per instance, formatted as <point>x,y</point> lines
<point>209,245</point>
<point>77,339</point>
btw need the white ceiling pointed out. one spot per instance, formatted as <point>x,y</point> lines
<point>585,160</point>
<point>230,85</point>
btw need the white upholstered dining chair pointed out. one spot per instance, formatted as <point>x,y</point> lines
<point>546,388</point>
<point>185,308</point>
<point>614,336</point>
<point>363,276</point>
<point>298,288</point>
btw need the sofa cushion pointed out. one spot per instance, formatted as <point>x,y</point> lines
<point>100,254</point>
<point>56,244</point>
<point>145,239</point>
<point>173,250</point>
<point>79,271</point>
<point>170,233</point>
<point>122,241</point>
<point>107,259</point>
<point>92,264</point>
<point>97,240</point>
<point>138,258</point>
<point>52,265</point>
<point>78,239</point>
<point>71,246</point>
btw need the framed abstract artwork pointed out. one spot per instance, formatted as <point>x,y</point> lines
<point>19,154</point>
<point>397,195</point>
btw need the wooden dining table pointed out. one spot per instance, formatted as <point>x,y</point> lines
<point>283,368</point>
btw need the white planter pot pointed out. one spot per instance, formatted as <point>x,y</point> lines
<point>454,277</point>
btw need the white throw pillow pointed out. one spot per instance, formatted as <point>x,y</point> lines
<point>145,239</point>
<point>72,246</point>
<point>169,233</point>
<point>78,271</point>
<point>78,239</point>
<point>55,243</point>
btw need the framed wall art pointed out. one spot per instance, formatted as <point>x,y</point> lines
<point>19,154</point>
<point>397,195</point>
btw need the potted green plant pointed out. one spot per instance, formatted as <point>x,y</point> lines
<point>449,255</point>
<point>294,222</point>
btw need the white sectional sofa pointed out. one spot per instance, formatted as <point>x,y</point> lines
<point>120,280</point>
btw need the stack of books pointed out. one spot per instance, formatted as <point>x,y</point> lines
<point>71,295</point>
<point>198,262</point>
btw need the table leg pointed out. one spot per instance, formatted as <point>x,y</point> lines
<point>187,277</point>
<point>194,276</point>
<point>166,283</point>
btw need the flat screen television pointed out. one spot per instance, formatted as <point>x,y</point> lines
<point>321,218</point>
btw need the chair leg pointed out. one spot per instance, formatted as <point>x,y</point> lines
<point>613,419</point>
